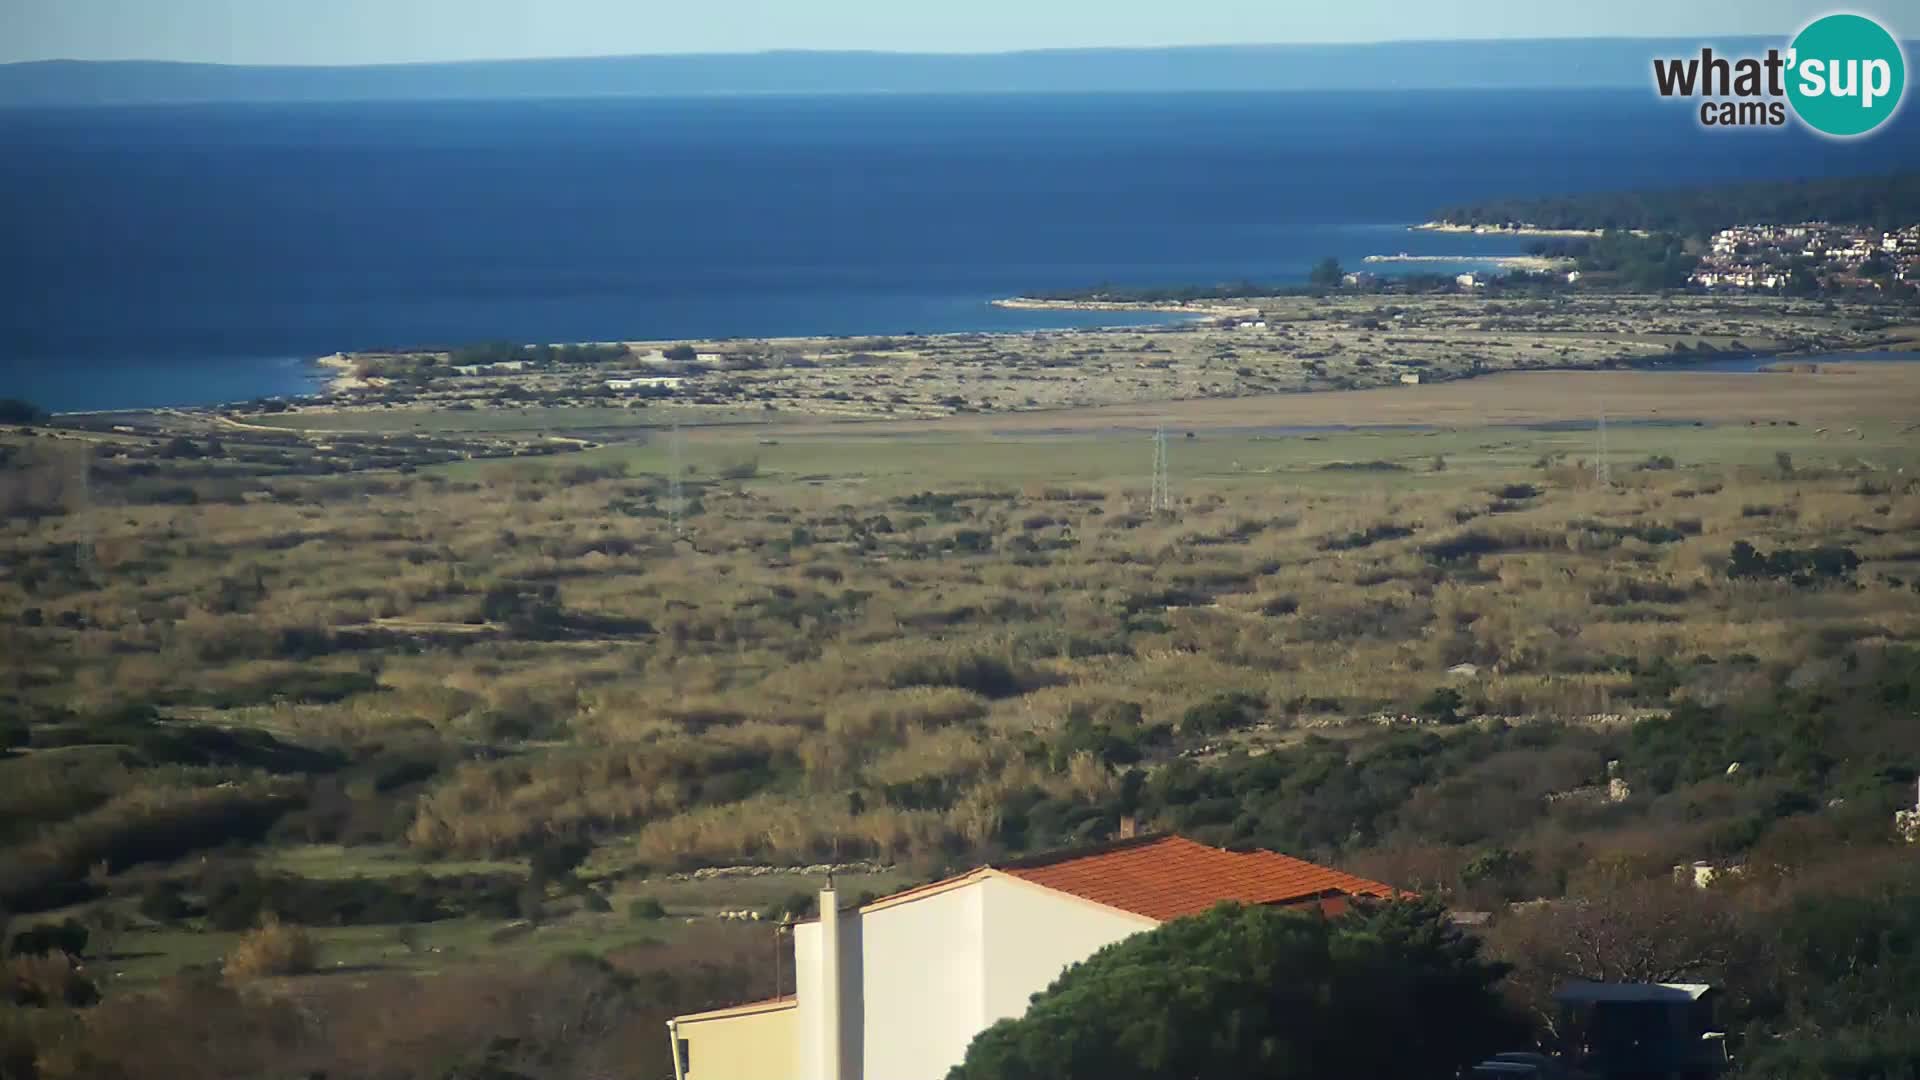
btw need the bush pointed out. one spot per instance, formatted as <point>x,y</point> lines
<point>16,411</point>
<point>557,860</point>
<point>273,949</point>
<point>796,906</point>
<point>1442,706</point>
<point>1222,712</point>
<point>237,897</point>
<point>164,902</point>
<point>1801,566</point>
<point>1254,992</point>
<point>986,675</point>
<point>46,981</point>
<point>646,908</point>
<point>1365,538</point>
<point>67,938</point>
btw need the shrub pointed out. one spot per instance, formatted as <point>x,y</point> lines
<point>164,902</point>
<point>46,981</point>
<point>1365,538</point>
<point>1442,706</point>
<point>556,860</point>
<point>1222,712</point>
<point>16,411</point>
<point>1800,566</point>
<point>273,949</point>
<point>67,938</point>
<point>646,907</point>
<point>1254,992</point>
<point>988,676</point>
<point>796,906</point>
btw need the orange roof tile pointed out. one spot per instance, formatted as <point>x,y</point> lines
<point>1167,877</point>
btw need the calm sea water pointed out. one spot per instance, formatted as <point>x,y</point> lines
<point>179,255</point>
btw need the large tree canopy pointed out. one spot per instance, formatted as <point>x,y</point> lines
<point>1261,994</point>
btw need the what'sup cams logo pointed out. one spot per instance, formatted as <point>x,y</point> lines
<point>1843,75</point>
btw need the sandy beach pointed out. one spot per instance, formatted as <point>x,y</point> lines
<point>1511,262</point>
<point>1208,308</point>
<point>343,377</point>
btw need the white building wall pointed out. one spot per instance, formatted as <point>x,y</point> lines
<point>1034,934</point>
<point>922,983</point>
<point>920,979</point>
<point>806,1011</point>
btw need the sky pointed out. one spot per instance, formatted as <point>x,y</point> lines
<point>405,31</point>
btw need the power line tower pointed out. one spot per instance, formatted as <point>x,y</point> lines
<point>676,494</point>
<point>1602,469</point>
<point>83,553</point>
<point>1161,501</point>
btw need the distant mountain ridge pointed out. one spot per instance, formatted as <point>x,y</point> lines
<point>1564,63</point>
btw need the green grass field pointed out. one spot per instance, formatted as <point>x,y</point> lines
<point>1309,461</point>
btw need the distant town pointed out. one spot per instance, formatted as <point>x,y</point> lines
<point>1808,257</point>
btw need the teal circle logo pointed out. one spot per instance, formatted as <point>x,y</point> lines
<point>1846,75</point>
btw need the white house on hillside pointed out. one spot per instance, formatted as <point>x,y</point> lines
<point>896,989</point>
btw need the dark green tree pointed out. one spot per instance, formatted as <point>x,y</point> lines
<point>1261,994</point>
<point>1326,273</point>
<point>1442,706</point>
<point>16,411</point>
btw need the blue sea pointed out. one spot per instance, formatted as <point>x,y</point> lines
<point>195,254</point>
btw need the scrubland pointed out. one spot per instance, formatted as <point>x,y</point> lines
<point>1211,351</point>
<point>284,742</point>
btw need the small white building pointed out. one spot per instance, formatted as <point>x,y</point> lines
<point>897,989</point>
<point>639,382</point>
<point>495,368</point>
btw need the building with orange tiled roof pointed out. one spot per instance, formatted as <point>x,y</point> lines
<point>896,989</point>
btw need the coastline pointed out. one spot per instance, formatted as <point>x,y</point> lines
<point>1511,262</point>
<point>1508,230</point>
<point>342,376</point>
<point>1196,308</point>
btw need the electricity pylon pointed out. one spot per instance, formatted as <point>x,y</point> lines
<point>1161,501</point>
<point>676,494</point>
<point>1602,469</point>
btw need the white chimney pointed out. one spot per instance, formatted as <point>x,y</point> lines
<point>829,984</point>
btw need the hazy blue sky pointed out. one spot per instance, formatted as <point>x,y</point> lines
<point>376,31</point>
